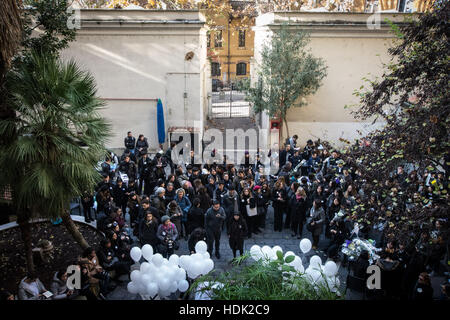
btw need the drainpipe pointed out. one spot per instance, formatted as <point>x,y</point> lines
<point>229,34</point>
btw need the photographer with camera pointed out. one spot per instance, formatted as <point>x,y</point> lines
<point>167,234</point>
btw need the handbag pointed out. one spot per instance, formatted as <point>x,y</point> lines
<point>251,211</point>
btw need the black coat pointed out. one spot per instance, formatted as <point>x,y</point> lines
<point>237,231</point>
<point>195,218</point>
<point>147,233</point>
<point>298,209</point>
<point>119,195</point>
<point>228,203</point>
<point>275,195</point>
<point>130,143</point>
<point>142,144</point>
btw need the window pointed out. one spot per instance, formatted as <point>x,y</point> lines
<point>241,38</point>
<point>218,39</point>
<point>241,69</point>
<point>208,39</point>
<point>215,69</point>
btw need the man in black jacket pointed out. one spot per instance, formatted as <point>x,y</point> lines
<point>144,170</point>
<point>119,195</point>
<point>214,218</point>
<point>129,168</point>
<point>230,203</point>
<point>130,142</point>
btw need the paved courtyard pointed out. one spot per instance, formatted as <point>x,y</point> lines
<point>267,237</point>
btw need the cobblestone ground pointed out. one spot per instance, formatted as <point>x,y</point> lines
<point>267,237</point>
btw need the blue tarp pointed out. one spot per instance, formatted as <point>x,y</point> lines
<point>160,122</point>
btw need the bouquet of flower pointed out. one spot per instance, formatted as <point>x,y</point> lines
<point>353,248</point>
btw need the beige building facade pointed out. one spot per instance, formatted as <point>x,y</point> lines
<point>140,56</point>
<point>353,46</point>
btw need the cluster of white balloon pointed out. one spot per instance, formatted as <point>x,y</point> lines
<point>316,273</point>
<point>161,276</point>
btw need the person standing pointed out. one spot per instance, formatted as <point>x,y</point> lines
<point>87,202</point>
<point>148,228</point>
<point>237,230</point>
<point>315,223</point>
<point>298,212</point>
<point>185,205</point>
<point>279,198</point>
<point>167,234</point>
<point>130,142</point>
<point>141,146</point>
<point>248,203</point>
<point>214,218</point>
<point>195,217</point>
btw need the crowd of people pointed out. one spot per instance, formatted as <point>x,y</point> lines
<point>311,195</point>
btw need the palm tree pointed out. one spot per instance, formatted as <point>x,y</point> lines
<point>57,138</point>
<point>10,37</point>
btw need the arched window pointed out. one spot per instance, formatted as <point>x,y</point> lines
<point>241,69</point>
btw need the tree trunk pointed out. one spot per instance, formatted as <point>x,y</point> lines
<point>25,230</point>
<point>287,128</point>
<point>73,229</point>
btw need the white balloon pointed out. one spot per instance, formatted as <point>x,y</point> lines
<point>277,248</point>
<point>187,263</point>
<point>163,293</point>
<point>136,254</point>
<point>255,247</point>
<point>132,288</point>
<point>305,245</point>
<point>312,275</point>
<point>315,261</point>
<point>171,274</point>
<point>152,289</point>
<point>135,276</point>
<point>180,274</point>
<point>142,289</point>
<point>183,285</point>
<point>289,253</point>
<point>174,259</point>
<point>330,268</point>
<point>145,279</point>
<point>147,252</point>
<point>183,261</point>
<point>165,262</point>
<point>163,284</point>
<point>196,268</point>
<point>297,262</point>
<point>197,256</point>
<point>267,251</point>
<point>300,269</point>
<point>201,247</point>
<point>206,255</point>
<point>207,266</point>
<point>173,286</point>
<point>157,260</point>
<point>145,267</point>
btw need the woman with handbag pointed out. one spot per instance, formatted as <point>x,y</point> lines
<point>248,210</point>
<point>315,222</point>
<point>279,200</point>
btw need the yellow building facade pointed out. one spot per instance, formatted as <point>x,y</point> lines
<point>230,48</point>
